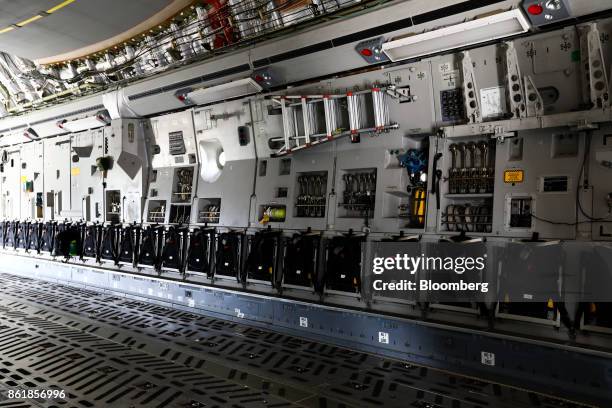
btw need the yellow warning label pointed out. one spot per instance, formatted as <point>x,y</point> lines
<point>514,176</point>
<point>75,171</point>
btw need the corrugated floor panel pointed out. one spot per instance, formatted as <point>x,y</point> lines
<point>108,351</point>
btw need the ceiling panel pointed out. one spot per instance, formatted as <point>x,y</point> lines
<point>14,11</point>
<point>77,25</point>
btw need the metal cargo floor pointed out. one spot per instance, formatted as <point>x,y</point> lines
<point>109,351</point>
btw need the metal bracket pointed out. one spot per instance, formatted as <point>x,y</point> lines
<point>402,94</point>
<point>516,94</point>
<point>501,137</point>
<point>584,124</point>
<point>470,90</point>
<point>595,88</point>
<point>533,99</point>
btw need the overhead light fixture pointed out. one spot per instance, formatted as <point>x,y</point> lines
<point>217,93</point>
<point>101,118</point>
<point>47,129</point>
<point>492,27</point>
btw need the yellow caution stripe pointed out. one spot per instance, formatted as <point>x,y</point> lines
<point>36,17</point>
<point>60,6</point>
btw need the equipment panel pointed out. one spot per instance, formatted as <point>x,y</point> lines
<point>129,146</point>
<point>11,182</point>
<point>57,179</point>
<point>89,165</point>
<point>32,176</point>
<point>543,198</point>
<point>226,177</point>
<point>502,143</point>
<point>174,169</point>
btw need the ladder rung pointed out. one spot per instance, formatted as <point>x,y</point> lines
<point>299,135</point>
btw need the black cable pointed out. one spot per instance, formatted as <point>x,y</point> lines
<point>224,14</point>
<point>590,219</point>
<point>167,38</point>
<point>587,148</point>
<point>571,224</point>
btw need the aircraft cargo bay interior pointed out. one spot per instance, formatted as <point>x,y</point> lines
<point>306,203</point>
